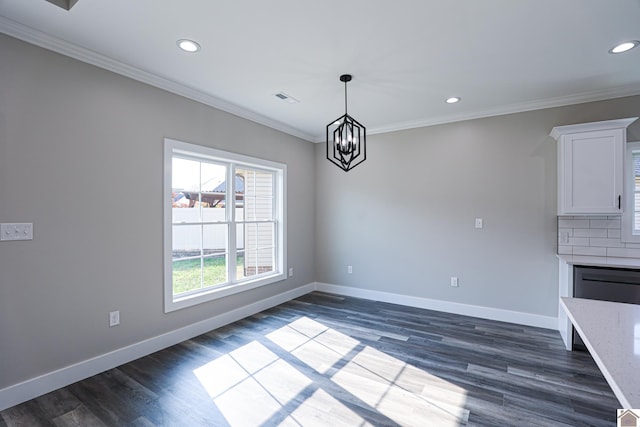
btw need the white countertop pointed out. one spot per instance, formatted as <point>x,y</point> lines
<point>601,261</point>
<point>611,332</point>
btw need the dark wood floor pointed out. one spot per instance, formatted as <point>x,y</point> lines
<point>325,360</point>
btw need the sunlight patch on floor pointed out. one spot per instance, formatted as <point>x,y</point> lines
<point>252,385</point>
<point>321,406</point>
<point>401,391</point>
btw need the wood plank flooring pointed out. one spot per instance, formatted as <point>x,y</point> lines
<point>327,360</point>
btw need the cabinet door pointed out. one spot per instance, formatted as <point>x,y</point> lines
<point>591,172</point>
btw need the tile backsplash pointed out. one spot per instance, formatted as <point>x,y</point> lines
<point>593,235</point>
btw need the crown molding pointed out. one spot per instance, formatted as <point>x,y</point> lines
<point>38,38</point>
<point>599,95</point>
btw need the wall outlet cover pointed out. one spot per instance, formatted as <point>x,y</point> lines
<point>114,318</point>
<point>16,231</point>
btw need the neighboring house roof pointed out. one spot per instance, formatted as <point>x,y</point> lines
<point>218,194</point>
<point>222,188</point>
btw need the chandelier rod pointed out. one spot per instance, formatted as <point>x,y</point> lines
<point>345,78</point>
<point>345,96</point>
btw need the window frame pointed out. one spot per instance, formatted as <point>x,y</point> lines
<point>233,161</point>
<point>627,223</point>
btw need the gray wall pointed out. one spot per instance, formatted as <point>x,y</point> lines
<point>404,219</point>
<point>81,158</point>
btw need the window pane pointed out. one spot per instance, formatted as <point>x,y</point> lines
<point>187,241</point>
<point>258,247</point>
<point>265,260</point>
<point>215,249</point>
<point>215,270</point>
<point>249,234</point>
<point>186,253</point>
<point>185,187</point>
<point>256,235</point>
<point>187,275</point>
<point>258,261</point>
<point>214,189</point>
<point>257,197</point>
<point>265,235</point>
<point>240,265</point>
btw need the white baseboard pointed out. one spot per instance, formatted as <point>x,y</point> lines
<point>34,387</point>
<point>520,318</point>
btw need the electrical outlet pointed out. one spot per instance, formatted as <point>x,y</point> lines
<point>114,318</point>
<point>16,231</point>
<point>479,223</point>
<point>290,271</point>
<point>454,282</point>
<point>564,237</point>
<point>349,269</point>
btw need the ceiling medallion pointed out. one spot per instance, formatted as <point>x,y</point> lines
<point>346,138</point>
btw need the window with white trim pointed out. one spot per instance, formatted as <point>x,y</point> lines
<point>224,223</point>
<point>631,213</point>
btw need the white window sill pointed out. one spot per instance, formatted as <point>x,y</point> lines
<point>177,303</point>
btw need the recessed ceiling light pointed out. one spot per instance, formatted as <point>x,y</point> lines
<point>623,47</point>
<point>188,45</point>
<point>453,100</point>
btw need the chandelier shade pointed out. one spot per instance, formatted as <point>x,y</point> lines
<point>346,138</point>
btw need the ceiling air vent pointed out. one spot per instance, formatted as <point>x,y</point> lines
<point>287,98</point>
<point>65,4</point>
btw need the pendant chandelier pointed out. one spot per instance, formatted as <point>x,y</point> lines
<point>346,138</point>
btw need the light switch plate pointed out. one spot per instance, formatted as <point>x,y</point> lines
<point>16,231</point>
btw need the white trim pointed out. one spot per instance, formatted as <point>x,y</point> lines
<point>628,213</point>
<point>38,38</point>
<point>599,95</point>
<point>529,319</point>
<point>565,289</point>
<point>230,159</point>
<point>558,131</point>
<point>34,387</point>
<point>29,389</point>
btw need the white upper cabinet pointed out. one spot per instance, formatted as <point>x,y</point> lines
<point>590,167</point>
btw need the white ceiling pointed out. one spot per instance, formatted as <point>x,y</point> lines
<point>406,56</point>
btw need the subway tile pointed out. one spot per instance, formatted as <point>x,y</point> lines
<point>623,252</point>
<point>581,250</point>
<point>579,241</point>
<point>590,232</point>
<point>565,250</point>
<point>607,243</point>
<point>604,223</point>
<point>613,233</point>
<point>573,223</point>
<point>632,245</point>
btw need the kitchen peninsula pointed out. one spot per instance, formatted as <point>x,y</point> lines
<point>611,332</point>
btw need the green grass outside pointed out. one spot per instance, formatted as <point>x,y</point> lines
<point>186,274</point>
